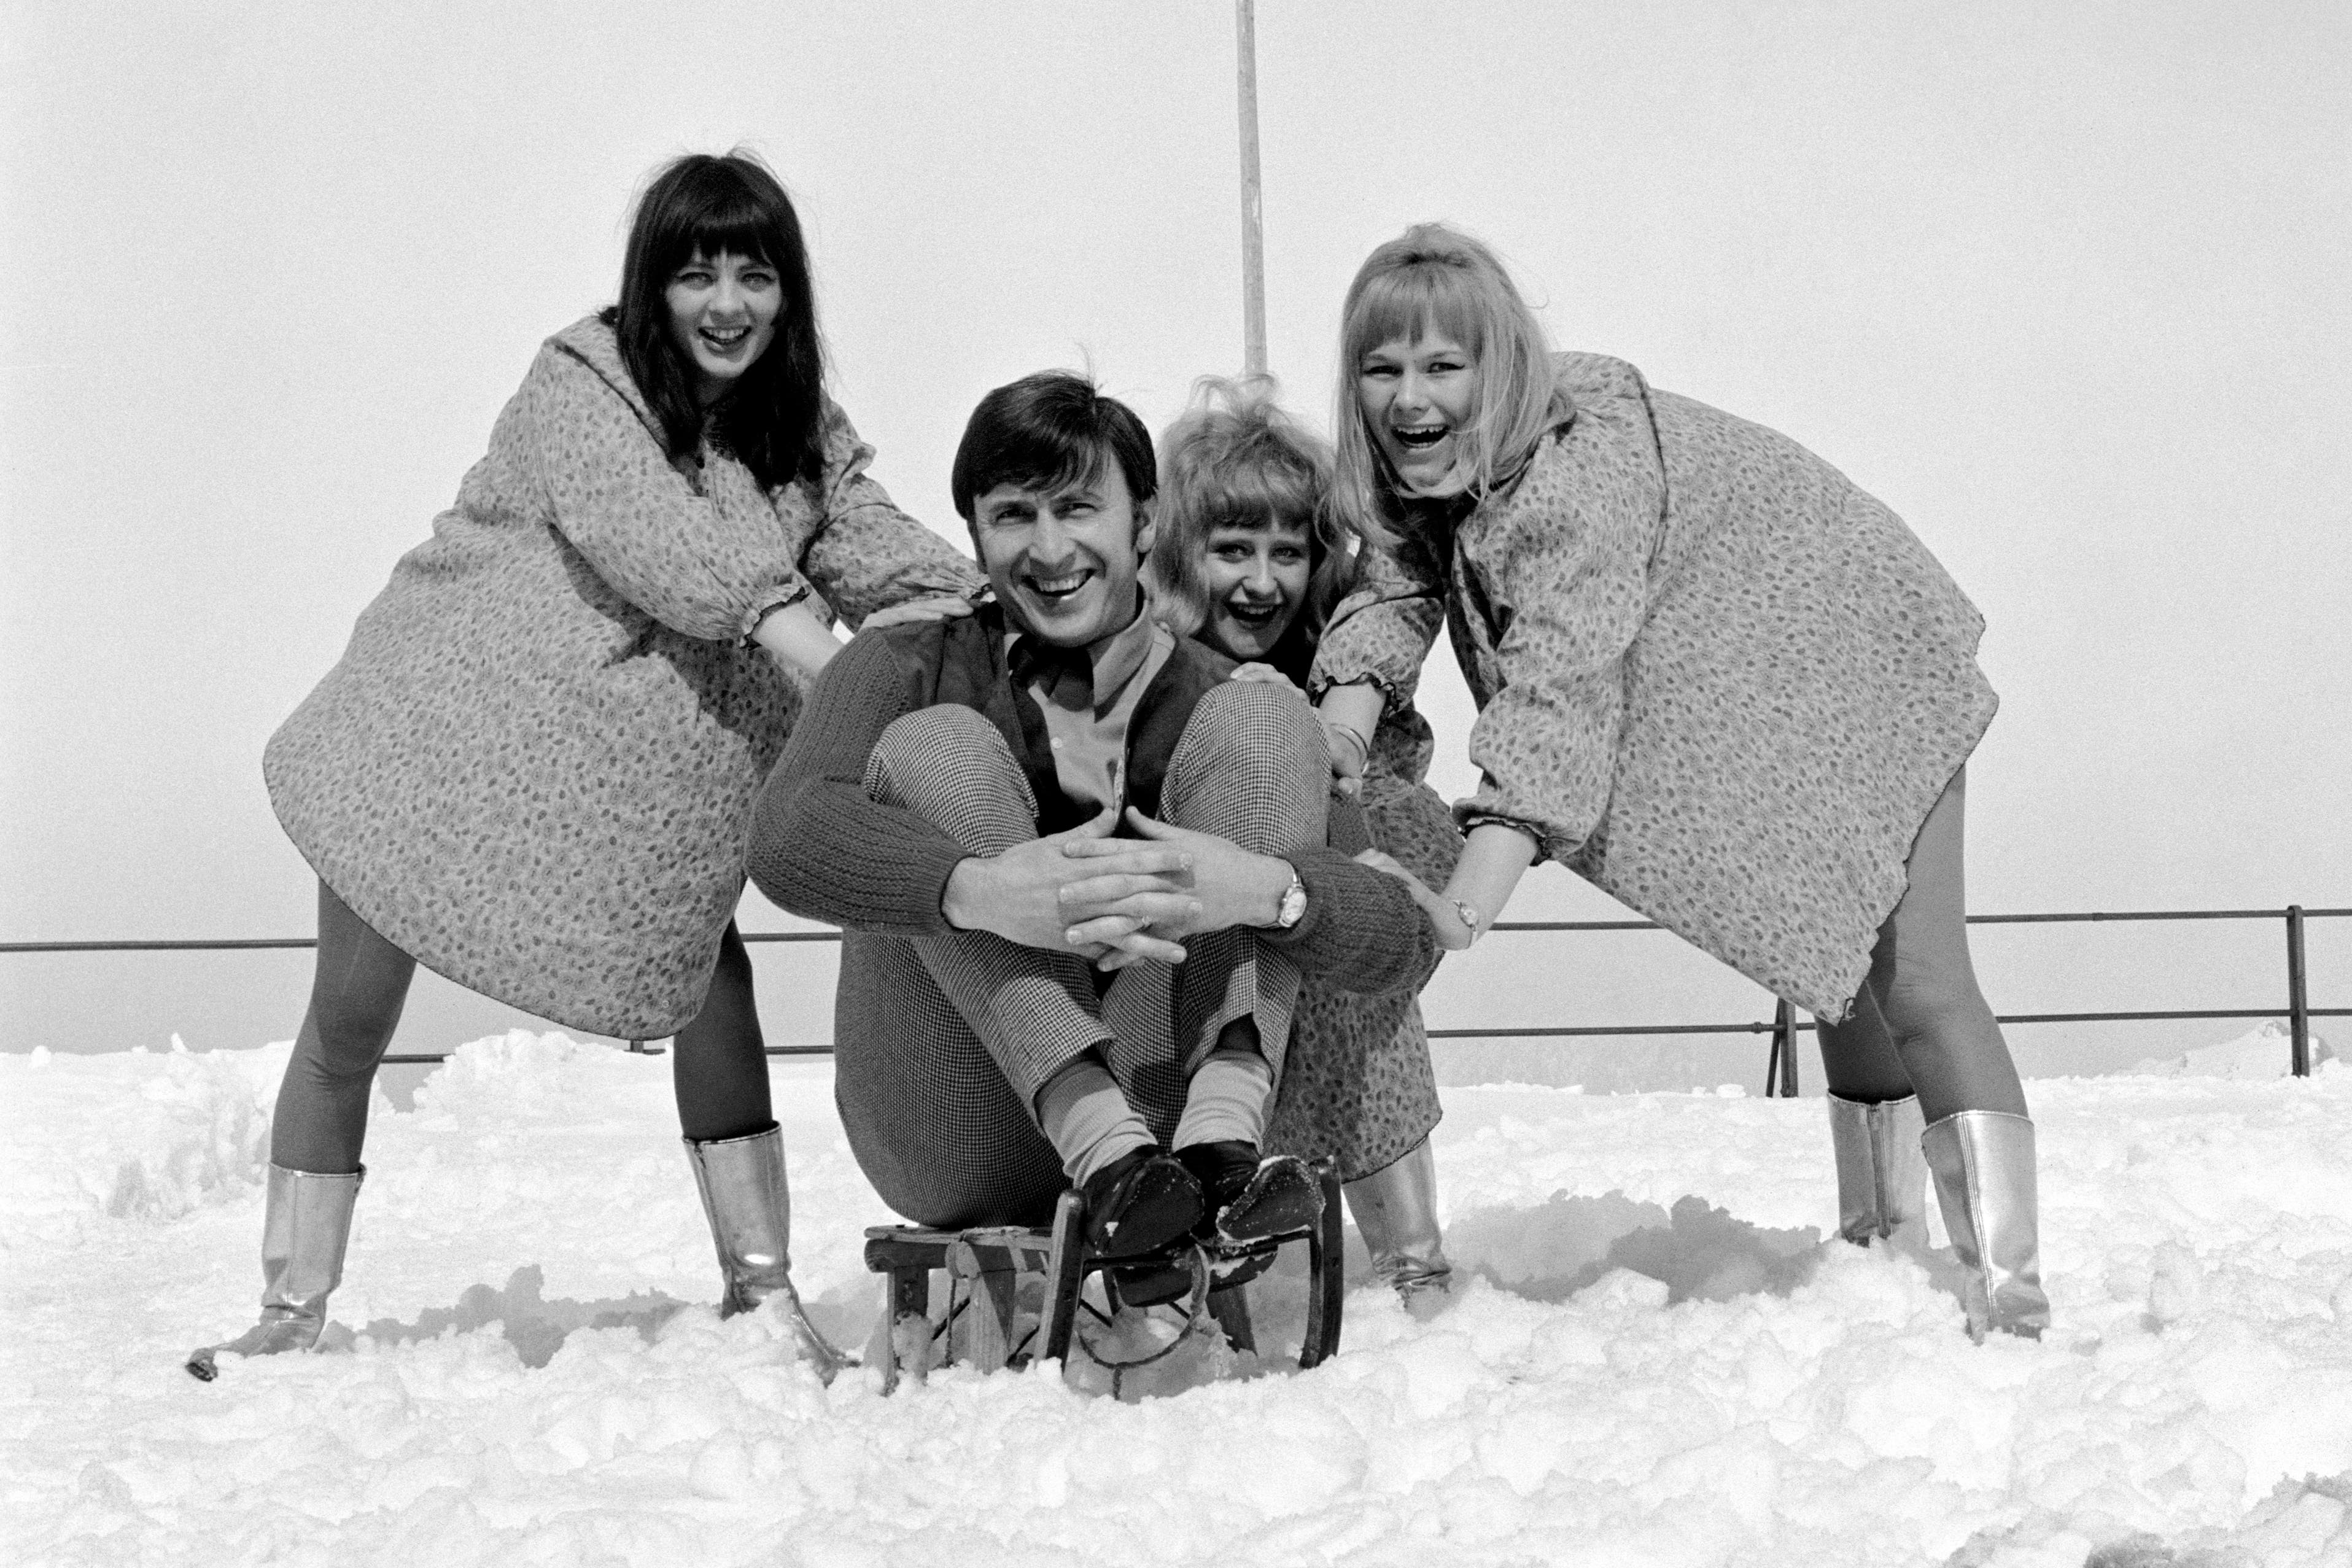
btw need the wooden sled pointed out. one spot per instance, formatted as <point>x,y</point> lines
<point>986,1268</point>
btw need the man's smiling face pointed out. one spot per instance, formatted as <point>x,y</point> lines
<point>1063,562</point>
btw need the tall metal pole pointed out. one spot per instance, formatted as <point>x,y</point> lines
<point>1253,235</point>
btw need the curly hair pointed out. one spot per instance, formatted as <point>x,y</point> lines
<point>1235,459</point>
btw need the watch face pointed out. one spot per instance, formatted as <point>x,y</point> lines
<point>1293,907</point>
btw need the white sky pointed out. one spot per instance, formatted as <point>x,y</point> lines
<point>2065,286</point>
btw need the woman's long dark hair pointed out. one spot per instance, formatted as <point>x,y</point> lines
<point>772,418</point>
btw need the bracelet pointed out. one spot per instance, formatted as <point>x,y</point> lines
<point>1363,744</point>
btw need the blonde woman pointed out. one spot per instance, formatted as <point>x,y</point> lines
<point>1715,678</point>
<point>1250,559</point>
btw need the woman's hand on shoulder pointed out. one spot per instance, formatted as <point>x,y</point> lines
<point>1263,674</point>
<point>933,607</point>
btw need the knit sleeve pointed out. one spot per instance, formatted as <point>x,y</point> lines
<point>702,567</point>
<point>1382,630</point>
<point>820,846</point>
<point>1362,932</point>
<point>867,554</point>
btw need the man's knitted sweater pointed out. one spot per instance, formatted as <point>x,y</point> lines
<point>822,847</point>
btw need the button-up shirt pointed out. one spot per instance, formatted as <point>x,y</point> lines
<point>1088,697</point>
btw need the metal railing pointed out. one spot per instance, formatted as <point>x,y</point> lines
<point>1780,1069</point>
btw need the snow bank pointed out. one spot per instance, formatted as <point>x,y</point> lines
<point>1655,1360</point>
<point>2265,1052</point>
<point>157,1136</point>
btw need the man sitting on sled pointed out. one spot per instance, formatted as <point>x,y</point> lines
<point>1078,870</point>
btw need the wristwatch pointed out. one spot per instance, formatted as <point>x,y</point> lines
<point>1292,907</point>
<point>1467,912</point>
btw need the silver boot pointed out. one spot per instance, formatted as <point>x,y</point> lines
<point>1882,1175</point>
<point>1983,1164</point>
<point>306,1224</point>
<point>1396,1213</point>
<point>742,1181</point>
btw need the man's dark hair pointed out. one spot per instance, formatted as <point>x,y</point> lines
<point>772,419</point>
<point>1048,432</point>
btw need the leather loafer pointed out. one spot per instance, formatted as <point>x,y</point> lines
<point>1248,1199</point>
<point>1139,1202</point>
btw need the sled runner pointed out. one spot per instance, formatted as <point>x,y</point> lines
<point>988,1267</point>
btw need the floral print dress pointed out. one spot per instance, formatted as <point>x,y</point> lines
<point>1714,677</point>
<point>531,769</point>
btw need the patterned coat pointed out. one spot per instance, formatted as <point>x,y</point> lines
<point>532,768</point>
<point>1714,677</point>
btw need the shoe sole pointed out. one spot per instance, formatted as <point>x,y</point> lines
<point>1152,1284</point>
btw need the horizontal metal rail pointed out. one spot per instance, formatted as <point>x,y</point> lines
<point>225,944</point>
<point>1780,1074</point>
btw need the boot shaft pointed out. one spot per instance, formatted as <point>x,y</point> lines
<point>306,1226</point>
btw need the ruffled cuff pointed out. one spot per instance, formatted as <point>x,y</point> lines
<point>1470,814</point>
<point>1396,696</point>
<point>784,597</point>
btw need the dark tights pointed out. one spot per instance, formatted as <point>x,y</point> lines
<point>719,1066</point>
<point>1920,1024</point>
<point>357,991</point>
<point>719,1063</point>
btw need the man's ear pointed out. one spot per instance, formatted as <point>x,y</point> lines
<point>1147,525</point>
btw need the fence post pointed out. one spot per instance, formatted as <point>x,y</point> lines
<point>1781,1072</point>
<point>2298,1007</point>
<point>1784,1018</point>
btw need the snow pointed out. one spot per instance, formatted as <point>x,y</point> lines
<point>1657,1361</point>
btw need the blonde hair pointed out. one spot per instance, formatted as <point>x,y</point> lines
<point>1234,458</point>
<point>1436,278</point>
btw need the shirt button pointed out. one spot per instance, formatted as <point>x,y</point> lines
<point>1058,745</point>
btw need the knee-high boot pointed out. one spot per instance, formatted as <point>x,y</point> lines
<point>742,1181</point>
<point>306,1224</point>
<point>1396,1213</point>
<point>1882,1175</point>
<point>1983,1164</point>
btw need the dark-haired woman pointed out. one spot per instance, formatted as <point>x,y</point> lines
<point>1250,558</point>
<point>531,769</point>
